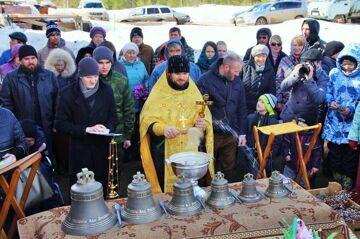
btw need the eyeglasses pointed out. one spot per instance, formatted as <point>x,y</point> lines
<point>276,44</point>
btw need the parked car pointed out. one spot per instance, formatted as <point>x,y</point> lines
<point>93,9</point>
<point>156,13</point>
<point>331,10</point>
<point>273,12</point>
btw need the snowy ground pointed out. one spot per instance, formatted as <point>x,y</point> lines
<point>215,20</point>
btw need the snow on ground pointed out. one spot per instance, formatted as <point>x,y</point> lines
<point>237,38</point>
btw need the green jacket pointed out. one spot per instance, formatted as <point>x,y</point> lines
<point>124,104</point>
<point>354,133</point>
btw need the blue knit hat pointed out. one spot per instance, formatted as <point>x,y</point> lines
<point>103,53</point>
<point>88,67</point>
<point>97,30</point>
<point>52,27</point>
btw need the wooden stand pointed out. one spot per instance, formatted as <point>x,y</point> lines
<point>17,168</point>
<point>280,129</point>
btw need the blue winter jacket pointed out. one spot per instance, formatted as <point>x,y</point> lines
<point>228,97</point>
<point>136,74</point>
<point>344,90</point>
<point>195,73</point>
<point>5,56</point>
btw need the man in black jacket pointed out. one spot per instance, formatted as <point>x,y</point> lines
<point>225,88</point>
<point>30,92</point>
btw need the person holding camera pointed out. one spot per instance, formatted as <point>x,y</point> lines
<point>307,83</point>
<point>343,94</point>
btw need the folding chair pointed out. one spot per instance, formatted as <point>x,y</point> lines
<point>18,167</point>
<point>280,129</point>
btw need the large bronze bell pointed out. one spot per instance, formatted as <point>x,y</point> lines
<point>140,207</point>
<point>183,202</point>
<point>88,213</point>
<point>249,193</point>
<point>276,188</point>
<point>220,196</point>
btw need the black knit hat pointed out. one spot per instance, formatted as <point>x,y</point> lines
<point>27,50</point>
<point>18,36</point>
<point>312,55</point>
<point>82,52</point>
<point>29,128</point>
<point>88,67</point>
<point>136,31</point>
<point>52,27</point>
<point>177,64</point>
<point>333,48</point>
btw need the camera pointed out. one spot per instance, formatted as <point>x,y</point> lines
<point>305,70</point>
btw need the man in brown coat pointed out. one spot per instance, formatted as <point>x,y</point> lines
<point>146,52</point>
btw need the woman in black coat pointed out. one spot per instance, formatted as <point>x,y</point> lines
<point>84,107</point>
<point>258,76</point>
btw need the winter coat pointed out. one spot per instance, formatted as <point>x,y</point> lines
<point>328,64</point>
<point>5,56</point>
<point>276,64</point>
<point>137,74</point>
<point>257,83</point>
<point>313,39</point>
<point>354,133</point>
<point>124,104</point>
<point>344,90</point>
<point>68,75</point>
<point>203,62</point>
<point>305,98</point>
<point>6,68</point>
<point>248,51</point>
<point>289,149</point>
<point>44,52</point>
<point>74,115</point>
<point>12,138</point>
<point>195,73</point>
<point>146,54</point>
<point>229,104</point>
<point>17,95</point>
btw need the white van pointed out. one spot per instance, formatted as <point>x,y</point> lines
<point>94,9</point>
<point>331,10</point>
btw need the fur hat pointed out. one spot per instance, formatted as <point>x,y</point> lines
<point>27,50</point>
<point>59,54</point>
<point>270,102</point>
<point>178,64</point>
<point>97,30</point>
<point>260,49</point>
<point>103,53</point>
<point>88,67</point>
<point>52,27</point>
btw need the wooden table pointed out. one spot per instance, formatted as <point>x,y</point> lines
<point>251,220</point>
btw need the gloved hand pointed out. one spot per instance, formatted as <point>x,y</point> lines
<point>353,144</point>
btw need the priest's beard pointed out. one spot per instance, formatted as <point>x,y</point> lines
<point>174,85</point>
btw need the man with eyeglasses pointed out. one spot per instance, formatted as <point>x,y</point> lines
<point>53,33</point>
<point>262,36</point>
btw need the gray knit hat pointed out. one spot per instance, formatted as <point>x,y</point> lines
<point>88,67</point>
<point>103,53</point>
<point>260,49</point>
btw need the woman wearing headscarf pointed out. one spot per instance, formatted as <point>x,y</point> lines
<point>208,56</point>
<point>13,62</point>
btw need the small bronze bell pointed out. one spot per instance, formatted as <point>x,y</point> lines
<point>276,187</point>
<point>220,196</point>
<point>249,193</point>
<point>88,213</point>
<point>183,202</point>
<point>140,207</point>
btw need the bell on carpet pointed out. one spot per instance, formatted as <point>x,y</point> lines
<point>140,207</point>
<point>249,193</point>
<point>220,196</point>
<point>276,187</point>
<point>183,202</point>
<point>88,213</point>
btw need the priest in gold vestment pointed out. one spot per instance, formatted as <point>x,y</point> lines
<point>171,113</point>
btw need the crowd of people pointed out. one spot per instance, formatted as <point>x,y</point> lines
<point>60,102</point>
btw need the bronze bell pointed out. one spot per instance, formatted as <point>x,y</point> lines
<point>249,193</point>
<point>183,202</point>
<point>220,196</point>
<point>276,188</point>
<point>140,207</point>
<point>88,213</point>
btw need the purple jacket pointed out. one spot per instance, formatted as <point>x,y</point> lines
<point>6,68</point>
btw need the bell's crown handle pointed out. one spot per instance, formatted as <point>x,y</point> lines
<point>219,175</point>
<point>139,178</point>
<point>85,176</point>
<point>248,177</point>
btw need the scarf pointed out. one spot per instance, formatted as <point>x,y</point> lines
<point>88,92</point>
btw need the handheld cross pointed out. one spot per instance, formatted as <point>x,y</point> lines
<point>203,103</point>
